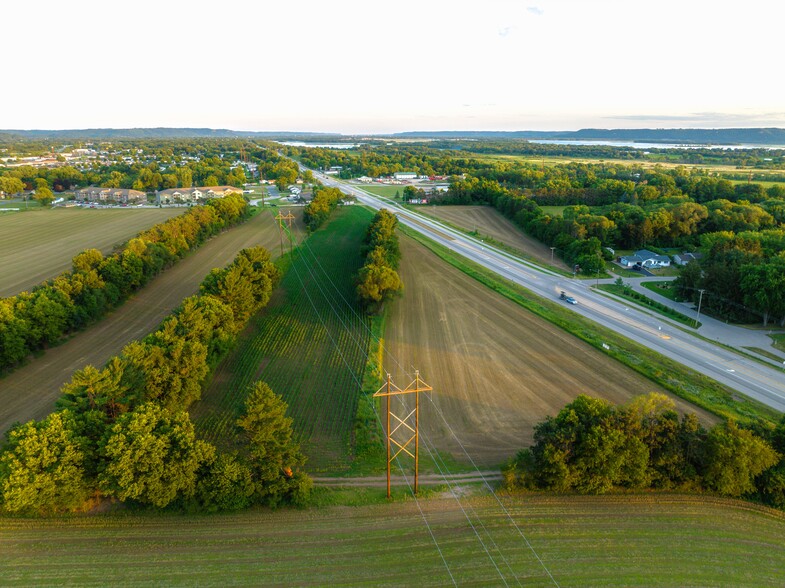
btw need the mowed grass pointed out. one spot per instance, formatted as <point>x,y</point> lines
<point>533,540</point>
<point>39,245</point>
<point>383,190</point>
<point>310,345</point>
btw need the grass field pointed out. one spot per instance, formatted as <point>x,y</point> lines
<point>39,245</point>
<point>310,345</point>
<point>381,190</point>
<point>31,390</point>
<point>532,540</point>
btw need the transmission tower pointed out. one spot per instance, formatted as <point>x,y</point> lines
<point>388,390</point>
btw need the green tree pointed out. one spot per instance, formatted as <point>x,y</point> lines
<point>152,456</point>
<point>44,196</point>
<point>42,467</point>
<point>734,457</point>
<point>273,454</point>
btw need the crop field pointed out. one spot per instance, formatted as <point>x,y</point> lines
<point>496,369</point>
<point>31,390</point>
<point>36,246</point>
<point>490,222</point>
<point>310,345</point>
<point>535,540</point>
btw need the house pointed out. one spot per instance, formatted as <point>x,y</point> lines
<point>180,195</point>
<point>685,258</point>
<point>118,195</point>
<point>645,258</point>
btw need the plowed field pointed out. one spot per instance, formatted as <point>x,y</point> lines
<point>488,221</point>
<point>31,391</point>
<point>496,369</point>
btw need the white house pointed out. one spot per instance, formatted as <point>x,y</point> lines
<point>685,258</point>
<point>645,258</point>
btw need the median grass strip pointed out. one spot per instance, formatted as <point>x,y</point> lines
<point>630,295</point>
<point>681,381</point>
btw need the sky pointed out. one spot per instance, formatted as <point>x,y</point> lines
<point>381,66</point>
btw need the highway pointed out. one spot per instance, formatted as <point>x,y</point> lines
<point>761,382</point>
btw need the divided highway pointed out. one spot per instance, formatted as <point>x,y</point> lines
<point>763,383</point>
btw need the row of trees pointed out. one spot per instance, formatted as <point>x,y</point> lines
<point>594,447</point>
<point>34,320</point>
<point>378,280</point>
<point>324,202</point>
<point>124,431</point>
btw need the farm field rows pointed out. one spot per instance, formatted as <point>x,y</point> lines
<point>39,245</point>
<point>309,344</point>
<point>496,369</point>
<point>663,540</point>
<point>31,390</point>
<point>489,221</point>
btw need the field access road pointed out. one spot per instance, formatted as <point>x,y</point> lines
<point>756,380</point>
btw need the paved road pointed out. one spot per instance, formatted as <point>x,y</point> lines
<point>759,381</point>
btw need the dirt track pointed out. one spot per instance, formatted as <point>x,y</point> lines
<point>490,222</point>
<point>31,391</point>
<point>496,369</point>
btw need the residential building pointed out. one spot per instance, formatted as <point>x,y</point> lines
<point>110,195</point>
<point>181,195</point>
<point>645,258</point>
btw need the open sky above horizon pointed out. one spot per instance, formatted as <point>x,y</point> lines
<point>354,67</point>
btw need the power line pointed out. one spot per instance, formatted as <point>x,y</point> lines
<point>441,414</point>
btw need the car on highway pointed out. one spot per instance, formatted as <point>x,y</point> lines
<point>570,300</point>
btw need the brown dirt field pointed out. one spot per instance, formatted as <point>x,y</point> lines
<point>496,369</point>
<point>489,221</point>
<point>36,246</point>
<point>30,392</point>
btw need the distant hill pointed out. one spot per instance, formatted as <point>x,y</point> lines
<point>755,136</point>
<point>161,133</point>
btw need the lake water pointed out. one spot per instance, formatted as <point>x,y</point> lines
<point>637,145</point>
<point>320,145</point>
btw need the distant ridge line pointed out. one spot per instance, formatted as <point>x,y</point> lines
<point>732,136</point>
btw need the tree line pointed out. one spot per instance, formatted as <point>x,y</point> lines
<point>123,432</point>
<point>378,280</point>
<point>324,202</point>
<point>33,320</point>
<point>593,447</point>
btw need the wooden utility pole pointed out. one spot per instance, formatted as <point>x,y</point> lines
<point>288,218</point>
<point>388,390</point>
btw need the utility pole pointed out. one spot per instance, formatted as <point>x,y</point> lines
<point>388,390</point>
<point>698,315</point>
<point>288,218</point>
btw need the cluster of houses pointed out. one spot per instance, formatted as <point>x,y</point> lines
<point>644,258</point>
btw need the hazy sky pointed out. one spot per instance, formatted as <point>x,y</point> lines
<point>382,66</point>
